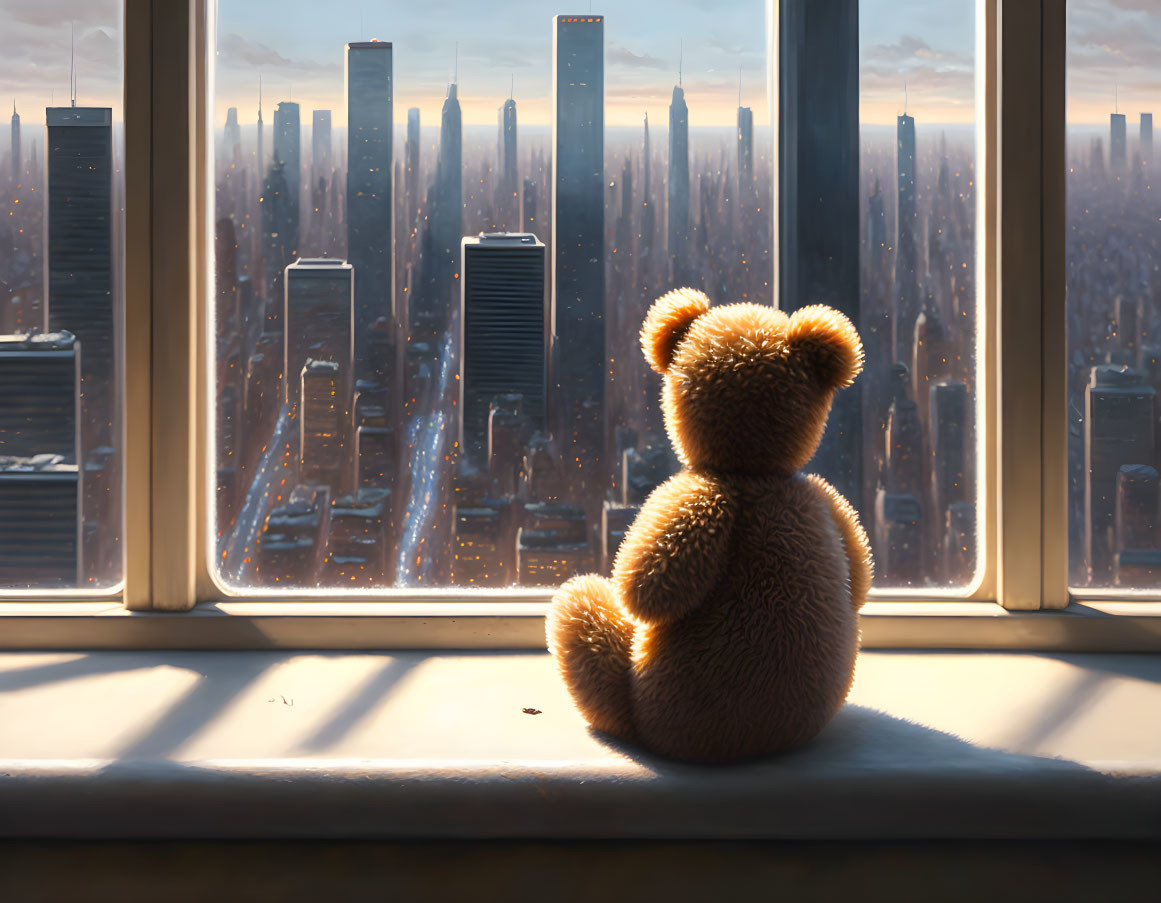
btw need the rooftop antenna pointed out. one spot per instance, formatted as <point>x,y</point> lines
<point>73,66</point>
<point>259,96</point>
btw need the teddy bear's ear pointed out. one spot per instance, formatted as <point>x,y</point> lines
<point>827,342</point>
<point>667,322</point>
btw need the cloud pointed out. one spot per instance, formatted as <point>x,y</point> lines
<point>237,52</point>
<point>626,58</point>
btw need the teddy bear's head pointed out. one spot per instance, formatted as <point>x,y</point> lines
<point>747,389</point>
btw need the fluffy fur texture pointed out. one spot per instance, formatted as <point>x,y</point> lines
<point>729,628</point>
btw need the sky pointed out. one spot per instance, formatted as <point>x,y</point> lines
<point>923,46</point>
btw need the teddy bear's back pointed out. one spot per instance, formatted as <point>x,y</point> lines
<point>767,658</point>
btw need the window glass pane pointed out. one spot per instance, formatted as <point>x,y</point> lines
<point>399,406</point>
<point>1114,295</point>
<point>61,283</point>
<point>918,304</point>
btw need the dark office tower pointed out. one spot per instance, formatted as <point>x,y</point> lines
<point>320,144</point>
<point>411,170</point>
<point>320,423</point>
<point>949,446</point>
<point>503,321</point>
<point>578,229</point>
<point>279,217</point>
<point>818,191</point>
<point>1146,142</point>
<point>904,450</point>
<point>745,150</point>
<point>40,535</point>
<point>876,228</point>
<point>507,183</point>
<point>1118,430</point>
<point>369,159</point>
<point>678,210</point>
<point>288,147</point>
<point>17,170</point>
<point>898,538</point>
<point>79,260</point>
<point>318,320</point>
<point>447,224</point>
<point>1138,556</point>
<point>39,395</point>
<point>529,223</point>
<point>1118,146</point>
<point>232,147</point>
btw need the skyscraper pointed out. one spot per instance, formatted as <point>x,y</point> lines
<point>678,230</point>
<point>906,246</point>
<point>508,186</point>
<point>261,137</point>
<point>279,217</point>
<point>318,317</point>
<point>287,147</point>
<point>1147,137</point>
<point>17,167</point>
<point>648,216</point>
<point>578,231</point>
<point>233,137</point>
<point>79,258</point>
<point>503,319</point>
<point>40,395</point>
<point>448,212</point>
<point>1118,146</point>
<point>40,531</point>
<point>369,161</point>
<point>320,423</point>
<point>411,168</point>
<point>745,150</point>
<point>320,141</point>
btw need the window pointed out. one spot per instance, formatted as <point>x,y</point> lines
<point>1114,296</point>
<point>61,301</point>
<point>419,384</point>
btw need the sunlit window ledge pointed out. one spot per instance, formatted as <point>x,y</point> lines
<point>1107,626</point>
<point>440,745</point>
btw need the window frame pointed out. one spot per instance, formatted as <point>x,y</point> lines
<point>1023,467</point>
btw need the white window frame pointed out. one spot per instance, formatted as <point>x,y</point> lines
<point>170,599</point>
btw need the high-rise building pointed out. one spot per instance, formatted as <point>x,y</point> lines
<point>1118,430</point>
<point>320,144</point>
<point>370,98</point>
<point>876,228</point>
<point>528,201</point>
<point>503,319</point>
<point>906,243</point>
<point>578,229</point>
<point>261,136</point>
<point>279,218</point>
<point>648,217</point>
<point>1118,145</point>
<point>79,258</point>
<point>232,148</point>
<point>678,231</point>
<point>17,166</point>
<point>321,423</point>
<point>745,150</point>
<point>447,216</point>
<point>40,395</point>
<point>318,318</point>
<point>508,185</point>
<point>1146,138</point>
<point>40,525</point>
<point>288,149</point>
<point>411,168</point>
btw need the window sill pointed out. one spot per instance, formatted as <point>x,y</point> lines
<point>147,745</point>
<point>1107,626</point>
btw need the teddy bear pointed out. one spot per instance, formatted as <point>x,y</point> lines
<point>729,627</point>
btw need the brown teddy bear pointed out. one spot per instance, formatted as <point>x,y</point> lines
<point>730,626</point>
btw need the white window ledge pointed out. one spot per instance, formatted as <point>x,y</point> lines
<point>280,745</point>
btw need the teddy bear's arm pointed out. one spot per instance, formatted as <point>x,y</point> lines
<point>673,554</point>
<point>854,539</point>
